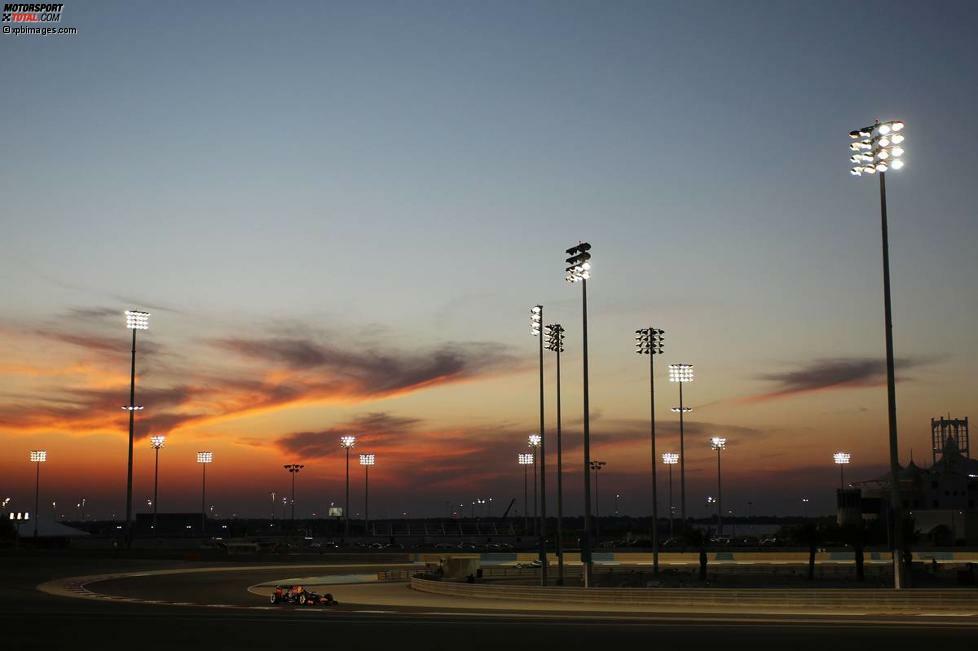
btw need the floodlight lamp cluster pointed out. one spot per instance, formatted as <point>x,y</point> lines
<point>555,337</point>
<point>533,440</point>
<point>718,443</point>
<point>293,467</point>
<point>841,457</point>
<point>136,320</point>
<point>670,458</point>
<point>536,320</point>
<point>367,459</point>
<point>680,373</point>
<point>598,465</point>
<point>157,441</point>
<point>39,456</point>
<point>578,263</point>
<point>132,407</point>
<point>526,458</point>
<point>649,341</point>
<point>876,148</point>
<point>348,441</point>
<point>205,457</point>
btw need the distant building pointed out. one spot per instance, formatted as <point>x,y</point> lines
<point>942,499</point>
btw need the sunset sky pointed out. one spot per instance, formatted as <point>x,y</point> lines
<point>339,215</point>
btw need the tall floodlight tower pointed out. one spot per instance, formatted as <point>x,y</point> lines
<point>347,442</point>
<point>37,458</point>
<point>681,374</point>
<point>135,320</point>
<point>204,458</point>
<point>578,270</point>
<point>157,443</point>
<point>842,460</point>
<point>877,149</point>
<point>719,444</point>
<point>650,341</point>
<point>366,460</point>
<point>293,469</point>
<point>533,442</point>
<point>526,460</point>
<point>536,324</point>
<point>555,343</point>
<point>670,459</point>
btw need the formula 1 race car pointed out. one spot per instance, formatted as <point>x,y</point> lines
<point>296,594</point>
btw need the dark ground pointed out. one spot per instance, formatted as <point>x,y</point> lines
<point>33,620</point>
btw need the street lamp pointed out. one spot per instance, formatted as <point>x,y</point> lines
<point>650,341</point>
<point>533,441</point>
<point>347,442</point>
<point>156,442</point>
<point>555,343</point>
<point>842,460</point>
<point>135,320</point>
<point>719,444</point>
<point>366,460</point>
<point>37,458</point>
<point>670,459</point>
<point>578,270</point>
<point>293,469</point>
<point>596,466</point>
<point>536,323</point>
<point>878,148</point>
<point>525,459</point>
<point>204,458</point>
<point>681,374</point>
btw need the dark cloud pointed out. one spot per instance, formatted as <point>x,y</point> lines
<point>111,346</point>
<point>832,373</point>
<point>372,428</point>
<point>374,371</point>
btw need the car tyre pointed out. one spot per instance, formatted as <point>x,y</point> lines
<point>274,599</point>
<point>302,600</point>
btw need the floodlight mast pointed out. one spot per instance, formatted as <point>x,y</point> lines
<point>157,443</point>
<point>650,341</point>
<point>347,442</point>
<point>555,343</point>
<point>681,374</point>
<point>670,459</point>
<point>37,458</point>
<point>842,459</point>
<point>579,270</point>
<point>525,459</point>
<point>204,458</point>
<point>293,469</point>
<point>878,148</point>
<point>366,460</point>
<point>135,320</point>
<point>536,325</point>
<point>719,444</point>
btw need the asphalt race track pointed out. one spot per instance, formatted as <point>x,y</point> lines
<point>227,616</point>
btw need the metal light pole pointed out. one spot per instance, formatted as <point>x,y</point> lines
<point>37,458</point>
<point>719,444</point>
<point>293,469</point>
<point>366,460</point>
<point>536,323</point>
<point>681,373</point>
<point>555,343</point>
<point>533,441</point>
<point>596,466</point>
<point>670,459</point>
<point>875,149</point>
<point>157,442</point>
<point>842,459</point>
<point>135,320</point>
<point>579,270</point>
<point>650,341</point>
<point>347,442</point>
<point>204,458</point>
<point>525,459</point>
